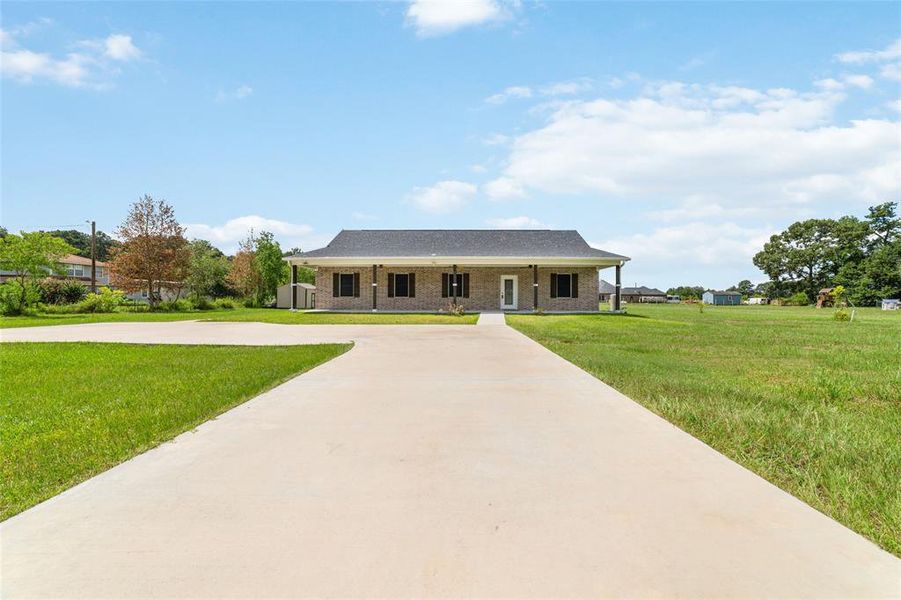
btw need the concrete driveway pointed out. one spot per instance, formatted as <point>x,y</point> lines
<point>427,461</point>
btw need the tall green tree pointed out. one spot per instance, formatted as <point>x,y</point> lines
<point>806,256</point>
<point>207,271</point>
<point>81,241</point>
<point>272,267</point>
<point>745,287</point>
<point>29,256</point>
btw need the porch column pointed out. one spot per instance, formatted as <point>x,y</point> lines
<point>375,288</point>
<point>293,287</point>
<point>454,286</point>
<point>534,287</point>
<point>617,294</point>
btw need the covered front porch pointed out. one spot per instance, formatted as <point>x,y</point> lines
<point>432,285</point>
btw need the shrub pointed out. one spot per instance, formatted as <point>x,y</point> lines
<point>226,303</point>
<point>105,301</point>
<point>11,295</point>
<point>841,314</point>
<point>202,303</point>
<point>174,306</point>
<point>799,299</point>
<point>456,310</point>
<point>61,291</point>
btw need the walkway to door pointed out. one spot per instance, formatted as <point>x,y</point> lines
<point>427,461</point>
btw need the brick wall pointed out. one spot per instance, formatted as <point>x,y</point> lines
<point>484,289</point>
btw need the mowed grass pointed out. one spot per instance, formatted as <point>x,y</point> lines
<point>809,403</point>
<point>71,410</point>
<point>261,315</point>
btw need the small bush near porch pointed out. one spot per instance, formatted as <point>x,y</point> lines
<point>810,403</point>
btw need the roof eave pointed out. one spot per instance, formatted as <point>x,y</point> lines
<point>348,261</point>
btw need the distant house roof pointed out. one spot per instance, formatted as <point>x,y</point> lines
<point>72,259</point>
<point>457,243</point>
<point>605,287</point>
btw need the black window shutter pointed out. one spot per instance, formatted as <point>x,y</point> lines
<point>356,285</point>
<point>412,289</point>
<point>466,285</point>
<point>575,285</point>
<point>553,285</point>
<point>336,284</point>
<point>444,278</point>
<point>391,285</point>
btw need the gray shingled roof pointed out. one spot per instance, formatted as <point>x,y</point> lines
<point>458,242</point>
<point>606,287</point>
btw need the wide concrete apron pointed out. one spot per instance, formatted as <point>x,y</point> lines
<point>428,461</point>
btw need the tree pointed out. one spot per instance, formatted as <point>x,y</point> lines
<point>687,292</point>
<point>884,225</point>
<point>81,241</point>
<point>745,287</point>
<point>244,276</point>
<point>863,256</point>
<point>806,255</point>
<point>207,270</point>
<point>273,269</point>
<point>28,256</point>
<point>153,253</point>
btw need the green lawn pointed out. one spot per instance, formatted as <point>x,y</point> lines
<point>809,403</point>
<point>264,315</point>
<point>71,410</point>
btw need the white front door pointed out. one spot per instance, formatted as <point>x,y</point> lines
<point>509,292</point>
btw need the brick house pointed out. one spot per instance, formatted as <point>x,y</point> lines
<point>427,270</point>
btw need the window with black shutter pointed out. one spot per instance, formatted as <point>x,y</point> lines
<point>447,285</point>
<point>564,285</point>
<point>346,284</point>
<point>401,285</point>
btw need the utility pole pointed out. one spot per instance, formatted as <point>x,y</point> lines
<point>93,257</point>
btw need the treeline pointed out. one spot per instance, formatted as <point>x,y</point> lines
<point>862,255</point>
<point>151,254</point>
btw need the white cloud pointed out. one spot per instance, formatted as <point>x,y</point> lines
<point>888,59</point>
<point>443,197</point>
<point>438,17</point>
<point>568,88</point>
<point>361,216</point>
<point>504,188</point>
<point>891,52</point>
<point>516,91</point>
<point>239,93</point>
<point>833,85</point>
<point>891,71</point>
<point>894,105</point>
<point>692,244</point>
<point>229,234</point>
<point>92,66</point>
<point>731,145</point>
<point>521,222</point>
<point>861,81</point>
<point>119,47</point>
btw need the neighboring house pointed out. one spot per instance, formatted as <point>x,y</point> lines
<point>73,267</point>
<point>305,296</point>
<point>428,270</point>
<point>758,300</point>
<point>721,298</point>
<point>631,294</point>
<point>891,304</point>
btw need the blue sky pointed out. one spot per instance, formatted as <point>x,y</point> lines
<point>679,134</point>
